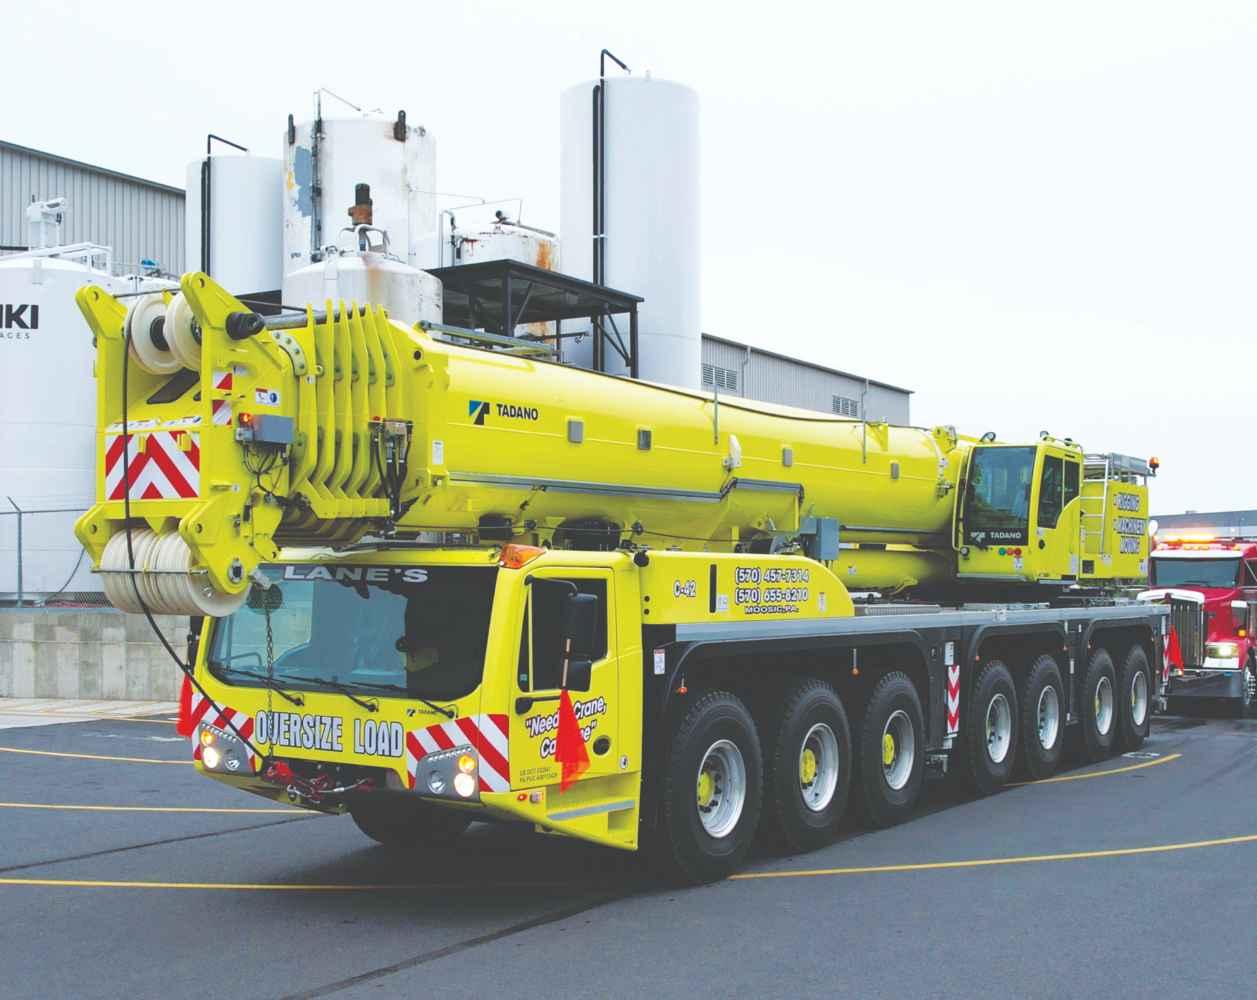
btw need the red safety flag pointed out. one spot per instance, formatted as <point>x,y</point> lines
<point>184,725</point>
<point>1173,651</point>
<point>569,749</point>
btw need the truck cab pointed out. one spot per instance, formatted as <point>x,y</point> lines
<point>1211,584</point>
<point>1051,514</point>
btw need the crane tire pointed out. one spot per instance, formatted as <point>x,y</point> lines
<point>891,771</point>
<point>399,823</point>
<point>1097,708</point>
<point>990,738</point>
<point>807,766</point>
<point>1043,712</point>
<point>715,752</point>
<point>1134,699</point>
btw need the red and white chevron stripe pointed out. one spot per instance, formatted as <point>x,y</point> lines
<point>486,734</point>
<point>220,409</point>
<point>203,711</point>
<point>162,471</point>
<point>953,699</point>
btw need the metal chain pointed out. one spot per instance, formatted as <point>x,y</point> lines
<point>270,658</point>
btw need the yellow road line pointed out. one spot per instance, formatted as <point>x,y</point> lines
<point>273,810</point>
<point>74,883</point>
<point>93,756</point>
<point>1118,852</point>
<point>71,717</point>
<point>1099,774</point>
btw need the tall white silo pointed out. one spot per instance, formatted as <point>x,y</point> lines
<point>650,231</point>
<point>383,171</point>
<point>235,233</point>
<point>48,412</point>
<point>395,159</point>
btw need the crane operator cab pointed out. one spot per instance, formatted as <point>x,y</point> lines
<point>1051,514</point>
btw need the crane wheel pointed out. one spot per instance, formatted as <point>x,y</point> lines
<point>807,766</point>
<point>1097,706</point>
<point>891,754</point>
<point>399,822</point>
<point>1043,718</point>
<point>713,789</point>
<point>990,731</point>
<point>1134,699</point>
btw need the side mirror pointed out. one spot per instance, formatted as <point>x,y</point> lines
<point>579,675</point>
<point>1239,614</point>
<point>580,625</point>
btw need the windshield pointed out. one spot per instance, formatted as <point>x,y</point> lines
<point>1169,572</point>
<point>422,630</point>
<point>997,498</point>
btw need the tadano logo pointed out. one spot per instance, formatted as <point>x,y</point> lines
<point>478,410</point>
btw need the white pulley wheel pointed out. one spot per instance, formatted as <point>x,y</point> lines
<point>117,583</point>
<point>142,323</point>
<point>120,583</point>
<point>181,333</point>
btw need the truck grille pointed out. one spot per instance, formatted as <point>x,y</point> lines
<point>1187,618</point>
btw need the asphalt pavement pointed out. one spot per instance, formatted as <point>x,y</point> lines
<point>122,872</point>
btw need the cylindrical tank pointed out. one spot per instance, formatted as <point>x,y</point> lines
<point>504,241</point>
<point>48,412</point>
<point>651,245</point>
<point>368,277</point>
<point>397,160</point>
<point>235,237</point>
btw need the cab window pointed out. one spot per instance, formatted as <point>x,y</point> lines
<point>1051,491</point>
<point>541,640</point>
<point>1072,471</point>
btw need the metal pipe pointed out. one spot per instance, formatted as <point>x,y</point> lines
<point>19,549</point>
<point>207,192</point>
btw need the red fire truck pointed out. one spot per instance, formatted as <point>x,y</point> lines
<point>1211,586</point>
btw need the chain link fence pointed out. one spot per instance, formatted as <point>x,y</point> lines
<point>41,562</point>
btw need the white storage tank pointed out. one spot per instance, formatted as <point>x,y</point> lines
<point>651,244</point>
<point>397,160</point>
<point>48,412</point>
<point>235,234</point>
<point>506,241</point>
<point>372,276</point>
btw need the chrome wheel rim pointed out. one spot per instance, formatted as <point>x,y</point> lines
<point>899,749</point>
<point>819,763</point>
<point>721,788</point>
<point>1104,706</point>
<point>999,728</point>
<point>1138,698</point>
<point>1049,717</point>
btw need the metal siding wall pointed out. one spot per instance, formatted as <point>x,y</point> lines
<point>795,383</point>
<point>137,220</point>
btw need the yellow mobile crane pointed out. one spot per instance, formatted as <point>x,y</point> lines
<point>407,554</point>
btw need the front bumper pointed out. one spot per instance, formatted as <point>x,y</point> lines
<point>1210,684</point>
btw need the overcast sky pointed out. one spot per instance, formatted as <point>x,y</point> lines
<point>1038,216</point>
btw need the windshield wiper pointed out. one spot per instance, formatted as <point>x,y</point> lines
<point>335,685</point>
<point>448,713</point>
<point>267,681</point>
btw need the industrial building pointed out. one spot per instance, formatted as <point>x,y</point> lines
<point>1224,523</point>
<point>139,219</point>
<point>738,369</point>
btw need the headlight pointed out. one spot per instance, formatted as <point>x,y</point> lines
<point>450,773</point>
<point>1222,650</point>
<point>222,751</point>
